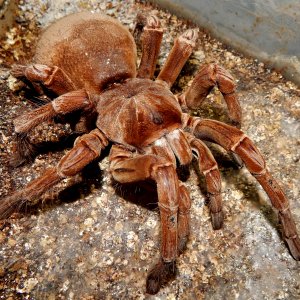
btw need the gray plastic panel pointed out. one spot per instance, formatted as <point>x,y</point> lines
<point>268,30</point>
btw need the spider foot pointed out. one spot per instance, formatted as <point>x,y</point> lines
<point>11,204</point>
<point>217,220</point>
<point>294,246</point>
<point>160,275</point>
<point>290,233</point>
<point>24,151</point>
<point>182,243</point>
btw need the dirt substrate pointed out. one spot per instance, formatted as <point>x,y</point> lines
<point>87,239</point>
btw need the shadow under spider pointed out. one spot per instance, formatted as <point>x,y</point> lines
<point>144,193</point>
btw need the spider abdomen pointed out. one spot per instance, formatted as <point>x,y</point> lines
<point>142,110</point>
<point>92,49</point>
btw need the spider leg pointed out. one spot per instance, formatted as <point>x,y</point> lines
<point>235,140</point>
<point>53,78</point>
<point>151,40</point>
<point>181,51</point>
<point>208,76</point>
<point>86,148</point>
<point>177,142</point>
<point>64,104</point>
<point>183,217</point>
<point>209,167</point>
<point>126,167</point>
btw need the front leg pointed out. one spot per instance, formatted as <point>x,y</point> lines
<point>208,76</point>
<point>151,40</point>
<point>126,167</point>
<point>180,52</point>
<point>233,139</point>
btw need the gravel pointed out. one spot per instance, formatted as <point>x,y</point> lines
<point>90,239</point>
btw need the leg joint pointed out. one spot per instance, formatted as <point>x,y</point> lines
<point>94,141</point>
<point>168,209</point>
<point>242,138</point>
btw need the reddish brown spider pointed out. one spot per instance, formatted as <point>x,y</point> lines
<point>89,60</point>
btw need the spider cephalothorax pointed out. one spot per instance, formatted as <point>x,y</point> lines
<point>88,60</point>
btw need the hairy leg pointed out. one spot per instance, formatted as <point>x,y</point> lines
<point>233,139</point>
<point>209,167</point>
<point>53,78</point>
<point>151,40</point>
<point>64,104</point>
<point>180,146</point>
<point>126,167</point>
<point>208,76</point>
<point>86,148</point>
<point>176,143</point>
<point>181,51</point>
<point>183,217</point>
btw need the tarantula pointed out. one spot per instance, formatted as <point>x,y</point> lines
<point>89,61</point>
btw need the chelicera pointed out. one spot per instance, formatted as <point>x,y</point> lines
<point>89,61</point>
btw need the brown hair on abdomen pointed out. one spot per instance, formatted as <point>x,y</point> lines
<point>91,48</point>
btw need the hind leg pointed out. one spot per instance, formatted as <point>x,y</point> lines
<point>64,104</point>
<point>233,139</point>
<point>54,79</point>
